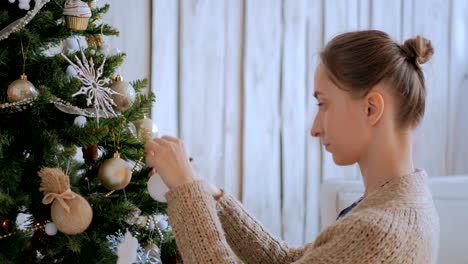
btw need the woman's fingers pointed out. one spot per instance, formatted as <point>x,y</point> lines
<point>152,149</point>
<point>171,139</point>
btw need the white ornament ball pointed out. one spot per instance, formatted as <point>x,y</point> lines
<point>161,221</point>
<point>80,121</point>
<point>74,43</point>
<point>51,229</point>
<point>24,4</point>
<point>157,188</point>
<point>71,72</point>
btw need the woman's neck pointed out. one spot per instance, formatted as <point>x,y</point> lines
<point>388,157</point>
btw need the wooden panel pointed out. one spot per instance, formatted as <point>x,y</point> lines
<point>381,19</point>
<point>134,37</point>
<point>293,102</point>
<point>364,14</point>
<point>233,60</point>
<point>340,16</point>
<point>431,21</point>
<point>164,70</point>
<point>407,19</point>
<point>314,151</point>
<point>201,84</point>
<point>261,188</point>
<point>458,73</point>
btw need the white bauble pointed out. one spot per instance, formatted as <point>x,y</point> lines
<point>50,229</point>
<point>161,221</point>
<point>80,121</point>
<point>71,72</point>
<point>157,188</point>
<point>74,43</point>
<point>24,4</point>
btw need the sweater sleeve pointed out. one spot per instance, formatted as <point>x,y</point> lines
<point>195,218</point>
<point>249,240</point>
<point>198,232</point>
<point>360,240</point>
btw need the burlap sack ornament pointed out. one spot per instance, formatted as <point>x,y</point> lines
<point>70,212</point>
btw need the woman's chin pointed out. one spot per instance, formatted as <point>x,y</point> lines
<point>342,161</point>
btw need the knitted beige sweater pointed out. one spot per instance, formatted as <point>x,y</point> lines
<point>394,224</point>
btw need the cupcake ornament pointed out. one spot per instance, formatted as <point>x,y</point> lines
<point>77,14</point>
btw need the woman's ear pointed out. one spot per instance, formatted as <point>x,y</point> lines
<point>375,106</point>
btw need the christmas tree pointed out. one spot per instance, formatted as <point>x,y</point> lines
<point>72,132</point>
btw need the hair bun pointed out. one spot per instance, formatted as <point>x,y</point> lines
<point>418,49</point>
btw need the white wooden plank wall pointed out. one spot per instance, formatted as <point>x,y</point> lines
<point>314,155</point>
<point>261,133</point>
<point>235,79</point>
<point>164,67</point>
<point>457,150</point>
<point>134,38</point>
<point>293,107</point>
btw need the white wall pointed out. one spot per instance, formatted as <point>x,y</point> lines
<point>134,24</point>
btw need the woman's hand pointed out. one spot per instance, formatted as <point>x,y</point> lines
<point>168,157</point>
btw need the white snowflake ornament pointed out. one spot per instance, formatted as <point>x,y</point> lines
<point>93,87</point>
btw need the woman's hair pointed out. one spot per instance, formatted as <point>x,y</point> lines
<point>356,61</point>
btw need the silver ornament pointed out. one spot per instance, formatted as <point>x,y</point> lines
<point>146,129</point>
<point>21,89</point>
<point>132,129</point>
<point>115,173</point>
<point>152,254</point>
<point>125,96</point>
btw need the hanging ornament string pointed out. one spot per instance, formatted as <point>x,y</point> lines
<point>28,230</point>
<point>21,92</point>
<point>24,54</point>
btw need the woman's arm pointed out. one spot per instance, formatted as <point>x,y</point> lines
<point>194,219</point>
<point>200,236</point>
<point>249,239</point>
<point>198,232</point>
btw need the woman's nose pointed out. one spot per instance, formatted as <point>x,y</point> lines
<point>316,130</point>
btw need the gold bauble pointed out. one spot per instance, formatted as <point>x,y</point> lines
<point>146,129</point>
<point>124,100</point>
<point>115,173</point>
<point>21,89</point>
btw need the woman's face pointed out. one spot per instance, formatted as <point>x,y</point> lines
<point>341,121</point>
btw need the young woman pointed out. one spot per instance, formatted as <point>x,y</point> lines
<point>371,95</point>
